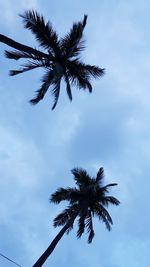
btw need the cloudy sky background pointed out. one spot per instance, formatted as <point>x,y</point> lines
<point>108,128</point>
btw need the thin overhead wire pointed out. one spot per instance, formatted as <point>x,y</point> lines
<point>10,260</point>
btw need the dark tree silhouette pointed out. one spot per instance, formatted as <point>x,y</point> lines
<point>89,198</point>
<point>61,60</point>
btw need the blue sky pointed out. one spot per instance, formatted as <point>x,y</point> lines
<point>108,128</point>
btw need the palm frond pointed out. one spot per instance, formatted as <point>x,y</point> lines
<point>84,21</point>
<point>92,70</point>
<point>69,194</point>
<point>106,200</point>
<point>40,94</point>
<point>14,72</point>
<point>78,49</point>
<point>105,188</point>
<point>79,76</point>
<point>75,195</point>
<point>103,215</point>
<point>107,223</point>
<point>46,82</point>
<point>60,195</point>
<point>113,184</point>
<point>81,177</point>
<point>100,175</point>
<point>27,67</point>
<point>89,226</point>
<point>56,92</point>
<point>18,54</point>
<point>43,32</point>
<point>72,44</point>
<point>68,88</point>
<point>81,70</point>
<point>75,214</point>
<point>21,47</point>
<point>66,215</point>
<point>81,82</point>
<point>63,217</point>
<point>81,222</point>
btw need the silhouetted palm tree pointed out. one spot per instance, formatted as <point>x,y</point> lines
<point>61,60</point>
<point>88,199</point>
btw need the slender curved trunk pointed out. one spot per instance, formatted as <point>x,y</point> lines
<point>53,244</point>
<point>10,42</point>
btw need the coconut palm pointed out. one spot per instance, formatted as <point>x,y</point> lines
<point>60,58</point>
<point>89,198</point>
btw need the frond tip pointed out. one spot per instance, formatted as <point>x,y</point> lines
<point>100,175</point>
<point>84,21</point>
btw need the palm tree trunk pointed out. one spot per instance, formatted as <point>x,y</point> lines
<point>6,40</point>
<point>53,244</point>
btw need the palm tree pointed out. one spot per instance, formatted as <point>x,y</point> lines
<point>60,58</point>
<point>88,199</point>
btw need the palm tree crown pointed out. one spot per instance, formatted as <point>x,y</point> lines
<point>89,198</point>
<point>60,57</point>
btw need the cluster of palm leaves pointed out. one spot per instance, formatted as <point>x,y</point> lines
<point>89,198</point>
<point>60,59</point>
